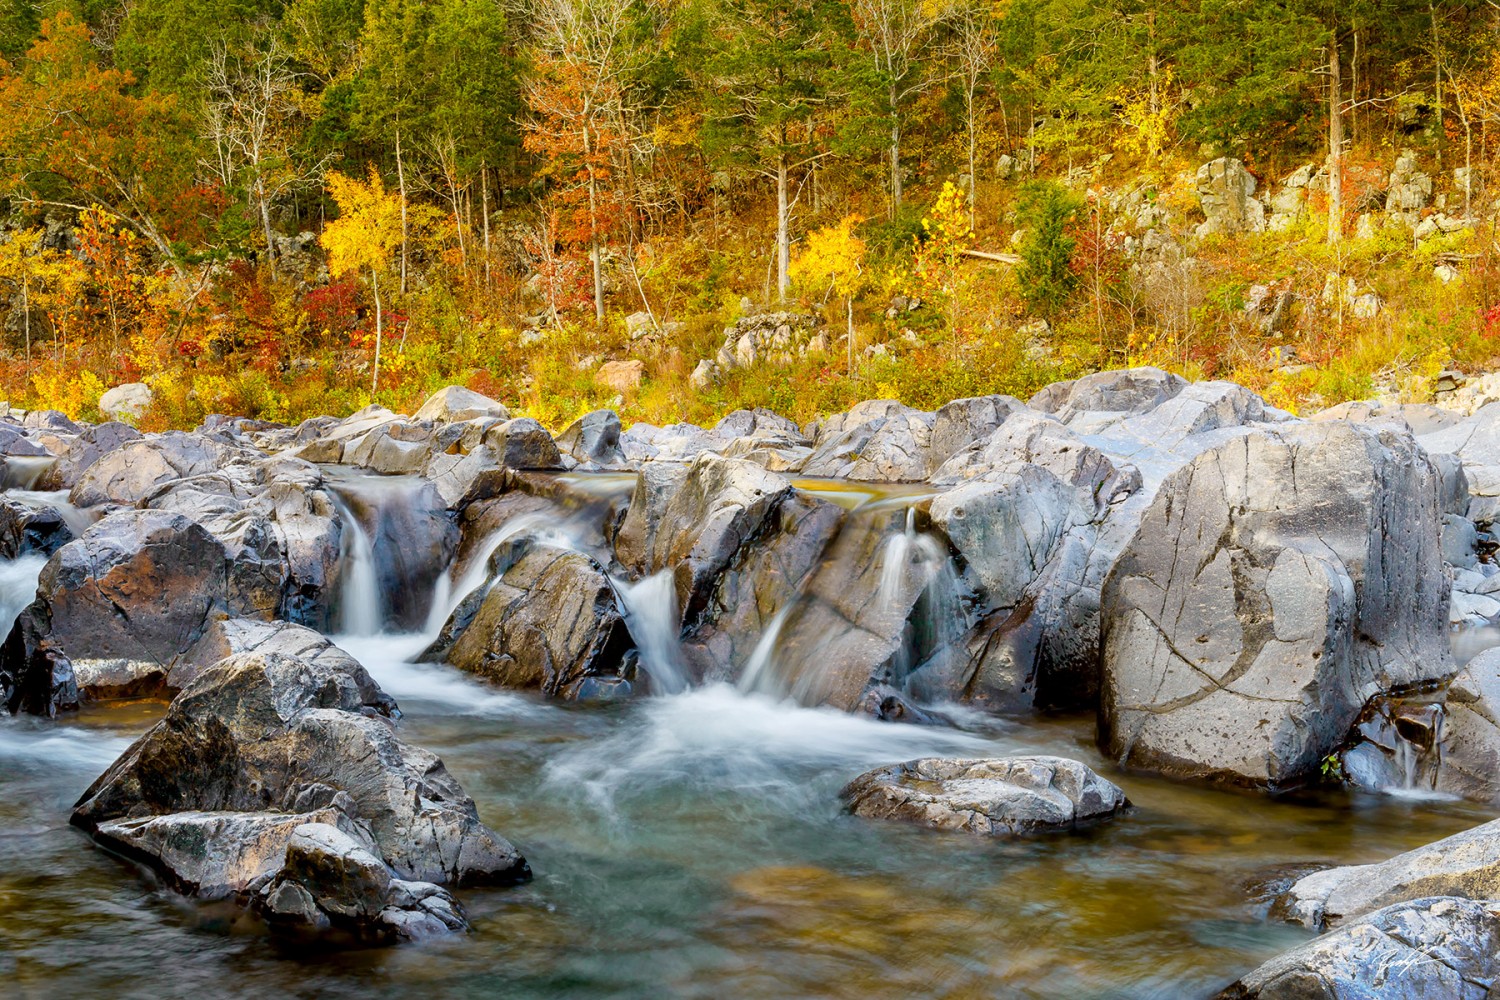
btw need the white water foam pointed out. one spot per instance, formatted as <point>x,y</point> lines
<point>718,737</point>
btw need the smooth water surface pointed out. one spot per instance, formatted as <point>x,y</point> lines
<point>693,846</point>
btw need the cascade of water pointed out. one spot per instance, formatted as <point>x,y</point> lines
<point>76,519</point>
<point>1406,758</point>
<point>22,472</point>
<point>754,676</point>
<point>894,560</point>
<point>360,609</point>
<point>651,615</point>
<point>18,579</point>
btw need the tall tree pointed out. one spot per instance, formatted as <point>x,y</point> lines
<point>768,83</point>
<point>587,54</point>
<point>897,35</point>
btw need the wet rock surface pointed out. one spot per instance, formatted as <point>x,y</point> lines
<point>278,780</point>
<point>1007,796</point>
<point>1432,947</point>
<point>1465,865</point>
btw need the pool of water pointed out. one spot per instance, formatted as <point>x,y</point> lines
<point>693,846</point>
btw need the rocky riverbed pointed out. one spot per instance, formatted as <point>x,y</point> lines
<point>1154,641</point>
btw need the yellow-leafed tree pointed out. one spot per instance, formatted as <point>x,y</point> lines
<point>833,259</point>
<point>363,238</point>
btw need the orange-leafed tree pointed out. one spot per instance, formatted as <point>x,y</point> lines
<point>586,56</point>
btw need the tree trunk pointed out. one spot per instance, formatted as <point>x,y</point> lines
<point>973,177</point>
<point>401,180</point>
<point>1335,147</point>
<point>783,228</point>
<point>265,220</point>
<point>379,330</point>
<point>588,154</point>
<point>484,188</point>
<point>895,155</point>
<point>849,313</point>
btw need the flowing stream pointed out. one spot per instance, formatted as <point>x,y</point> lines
<point>690,845</point>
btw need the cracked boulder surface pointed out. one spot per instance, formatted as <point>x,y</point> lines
<point>1275,584</point>
<point>1432,947</point>
<point>997,797</point>
<point>269,737</point>
<point>693,521</point>
<point>879,440</point>
<point>114,609</point>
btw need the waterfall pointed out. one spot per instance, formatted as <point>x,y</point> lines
<point>18,580</point>
<point>360,608</point>
<point>76,519</point>
<point>934,618</point>
<point>22,472</point>
<point>752,678</point>
<point>652,617</point>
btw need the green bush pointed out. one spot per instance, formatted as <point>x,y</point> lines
<point>1045,274</point>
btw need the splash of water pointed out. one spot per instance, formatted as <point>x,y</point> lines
<point>439,689</point>
<point>716,737</point>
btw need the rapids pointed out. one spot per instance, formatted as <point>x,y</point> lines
<point>692,844</point>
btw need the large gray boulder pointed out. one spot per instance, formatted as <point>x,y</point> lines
<point>1133,390</point>
<point>1016,533</point>
<point>958,425</point>
<point>126,402</point>
<point>128,473</point>
<point>593,440</point>
<point>547,620</point>
<point>268,732</point>
<point>455,404</point>
<point>326,441</point>
<point>758,588</point>
<point>280,528</point>
<point>234,636</point>
<point>693,521</point>
<point>1275,584</point>
<point>1424,948</point>
<point>114,609</point>
<point>1003,796</point>
<point>77,448</point>
<point>394,448</point>
<point>878,440</point>
<point>1466,864</point>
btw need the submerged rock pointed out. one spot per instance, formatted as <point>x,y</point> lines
<point>1004,796</point>
<point>1423,948</point>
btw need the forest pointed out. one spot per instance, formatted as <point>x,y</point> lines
<point>279,209</point>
